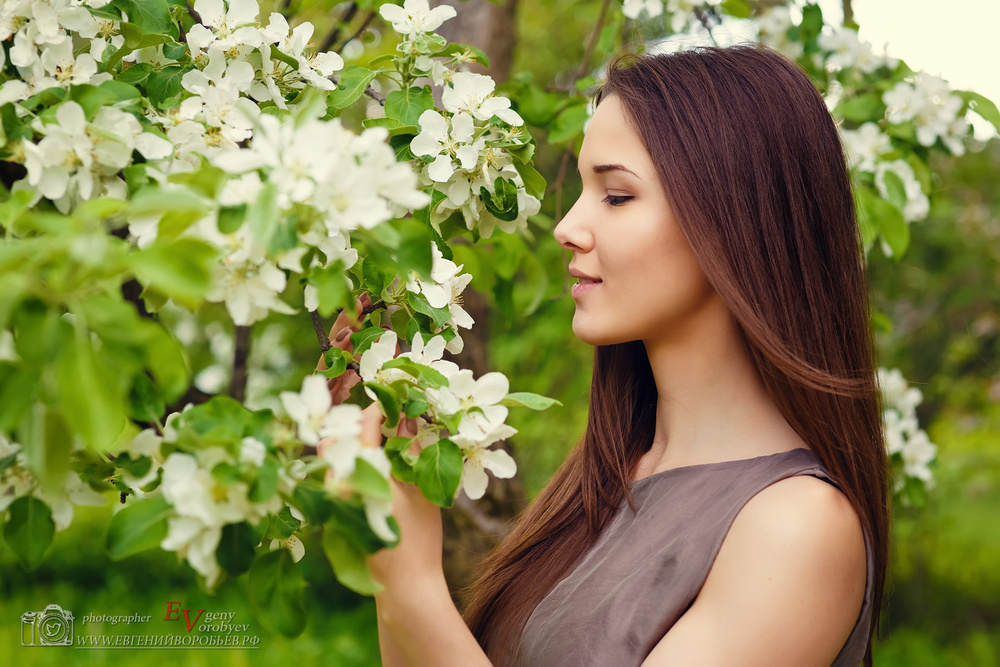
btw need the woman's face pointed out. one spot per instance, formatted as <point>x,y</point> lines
<point>623,233</point>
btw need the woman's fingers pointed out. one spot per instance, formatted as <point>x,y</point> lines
<point>371,426</point>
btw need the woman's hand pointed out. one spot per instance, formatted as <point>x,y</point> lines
<point>340,336</point>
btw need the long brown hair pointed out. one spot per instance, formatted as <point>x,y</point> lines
<point>754,170</point>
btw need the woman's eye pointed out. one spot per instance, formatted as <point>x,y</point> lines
<point>616,200</point>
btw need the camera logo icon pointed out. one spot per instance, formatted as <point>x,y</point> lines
<point>52,626</point>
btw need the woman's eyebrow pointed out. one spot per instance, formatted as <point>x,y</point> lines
<point>603,168</point>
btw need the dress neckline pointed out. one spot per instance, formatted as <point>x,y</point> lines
<point>719,464</point>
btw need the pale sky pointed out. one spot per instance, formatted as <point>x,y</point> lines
<point>954,39</point>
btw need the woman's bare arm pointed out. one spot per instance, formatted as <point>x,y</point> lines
<point>786,588</point>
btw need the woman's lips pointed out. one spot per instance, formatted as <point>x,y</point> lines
<point>583,287</point>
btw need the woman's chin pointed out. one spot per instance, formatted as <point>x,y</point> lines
<point>595,335</point>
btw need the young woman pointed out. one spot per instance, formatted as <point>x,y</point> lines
<point>727,504</point>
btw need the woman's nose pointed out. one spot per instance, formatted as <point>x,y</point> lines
<point>572,233</point>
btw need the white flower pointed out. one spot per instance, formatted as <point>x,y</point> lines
<point>225,29</point>
<point>445,145</point>
<point>294,546</point>
<point>312,410</point>
<point>445,288</point>
<point>864,145</point>
<point>919,451</point>
<point>59,62</point>
<point>478,458</point>
<point>59,166</point>
<point>415,16</point>
<point>252,451</point>
<point>342,443</point>
<point>196,542</point>
<point>928,101</point>
<point>430,354</point>
<point>847,51</point>
<point>218,88</point>
<point>473,94</point>
<point>917,205</point>
<point>634,8</point>
<point>370,366</point>
<point>464,393</point>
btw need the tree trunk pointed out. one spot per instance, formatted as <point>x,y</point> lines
<point>473,528</point>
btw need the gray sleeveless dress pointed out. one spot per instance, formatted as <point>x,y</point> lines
<point>646,568</point>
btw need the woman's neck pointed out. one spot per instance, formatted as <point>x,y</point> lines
<point>712,405</point>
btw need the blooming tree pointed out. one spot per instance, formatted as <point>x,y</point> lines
<point>212,155</point>
<point>162,157</point>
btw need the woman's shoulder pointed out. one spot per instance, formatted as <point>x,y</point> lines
<point>787,584</point>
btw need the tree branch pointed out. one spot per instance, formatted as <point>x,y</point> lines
<point>595,35</point>
<point>364,25</point>
<point>334,35</point>
<point>238,387</point>
<point>324,340</point>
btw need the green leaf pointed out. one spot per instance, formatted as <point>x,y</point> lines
<point>165,85</point>
<point>262,214</point>
<point>465,52</point>
<point>738,8</point>
<point>982,106</point>
<point>389,402</point>
<point>181,269</point>
<point>29,530</point>
<point>310,499</point>
<point>236,548</point>
<point>524,399</point>
<point>137,467</point>
<point>895,189</point>
<point>503,201</point>
<point>893,226</point>
<point>391,124</point>
<point>426,374</point>
<point>231,217</point>
<point>375,279</point>
<point>336,361</point>
<point>439,471</point>
<point>350,86</point>
<point>397,451</point>
<point>332,288</point>
<point>283,525</point>
<point>362,340</point>
<point>419,304</point>
<point>136,74</point>
<point>407,105</point>
<point>275,586</point>
<point>144,401</point>
<point>267,482</point>
<point>140,526</point>
<point>92,393</point>
<point>150,16</point>
<point>348,562</point>
<point>368,481</point>
<point>860,108</point>
<point>534,182</point>
<point>568,124</point>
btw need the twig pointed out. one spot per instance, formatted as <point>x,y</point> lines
<point>588,54</point>
<point>324,340</point>
<point>334,35</point>
<point>192,12</point>
<point>375,95</point>
<point>560,177</point>
<point>703,17</point>
<point>592,44</point>
<point>238,387</point>
<point>364,25</point>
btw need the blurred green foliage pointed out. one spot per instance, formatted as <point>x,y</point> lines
<point>944,596</point>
